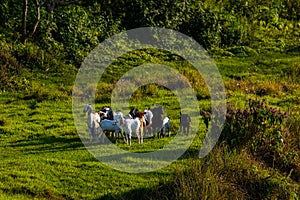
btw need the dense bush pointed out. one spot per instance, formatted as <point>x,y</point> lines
<point>80,29</point>
<point>259,128</point>
<point>76,29</point>
<point>10,71</point>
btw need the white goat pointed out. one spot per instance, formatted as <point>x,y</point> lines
<point>131,126</point>
<point>110,126</point>
<point>148,118</point>
<point>93,121</point>
<point>166,125</point>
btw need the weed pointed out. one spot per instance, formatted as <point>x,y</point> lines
<point>292,72</point>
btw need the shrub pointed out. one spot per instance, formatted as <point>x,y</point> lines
<point>39,93</point>
<point>10,70</point>
<point>259,128</point>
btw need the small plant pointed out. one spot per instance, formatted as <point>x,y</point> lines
<point>292,72</point>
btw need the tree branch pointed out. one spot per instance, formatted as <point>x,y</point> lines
<point>24,21</point>
<point>38,15</point>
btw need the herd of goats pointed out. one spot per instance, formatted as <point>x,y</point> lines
<point>135,123</point>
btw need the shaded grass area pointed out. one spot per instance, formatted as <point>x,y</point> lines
<point>222,175</point>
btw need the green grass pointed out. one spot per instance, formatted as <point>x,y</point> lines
<point>42,156</point>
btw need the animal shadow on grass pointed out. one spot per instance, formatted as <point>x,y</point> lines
<point>48,144</point>
<point>160,191</point>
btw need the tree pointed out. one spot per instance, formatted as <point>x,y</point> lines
<point>49,5</point>
<point>24,21</point>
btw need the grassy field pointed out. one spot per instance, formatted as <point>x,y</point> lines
<point>42,156</point>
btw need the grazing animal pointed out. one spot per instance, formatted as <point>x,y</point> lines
<point>106,113</point>
<point>131,126</point>
<point>141,117</point>
<point>157,121</point>
<point>166,125</point>
<point>133,113</point>
<point>185,121</point>
<point>148,115</point>
<point>110,126</point>
<point>148,118</point>
<point>93,121</point>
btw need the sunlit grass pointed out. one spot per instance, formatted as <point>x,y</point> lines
<point>43,157</point>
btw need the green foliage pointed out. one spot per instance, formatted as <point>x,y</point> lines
<point>10,12</point>
<point>41,154</point>
<point>259,128</point>
<point>167,13</point>
<point>10,72</point>
<point>76,29</point>
<point>41,93</point>
<point>28,55</point>
<point>212,23</point>
<point>223,174</point>
<point>292,72</point>
<point>80,29</point>
<point>258,121</point>
<point>204,25</point>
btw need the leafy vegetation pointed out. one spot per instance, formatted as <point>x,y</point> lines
<point>262,130</point>
<point>255,45</point>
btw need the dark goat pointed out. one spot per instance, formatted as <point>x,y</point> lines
<point>185,121</point>
<point>133,113</point>
<point>156,126</point>
<point>157,121</point>
<point>106,113</point>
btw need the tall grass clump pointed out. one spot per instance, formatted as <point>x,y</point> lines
<point>223,174</point>
<point>292,72</point>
